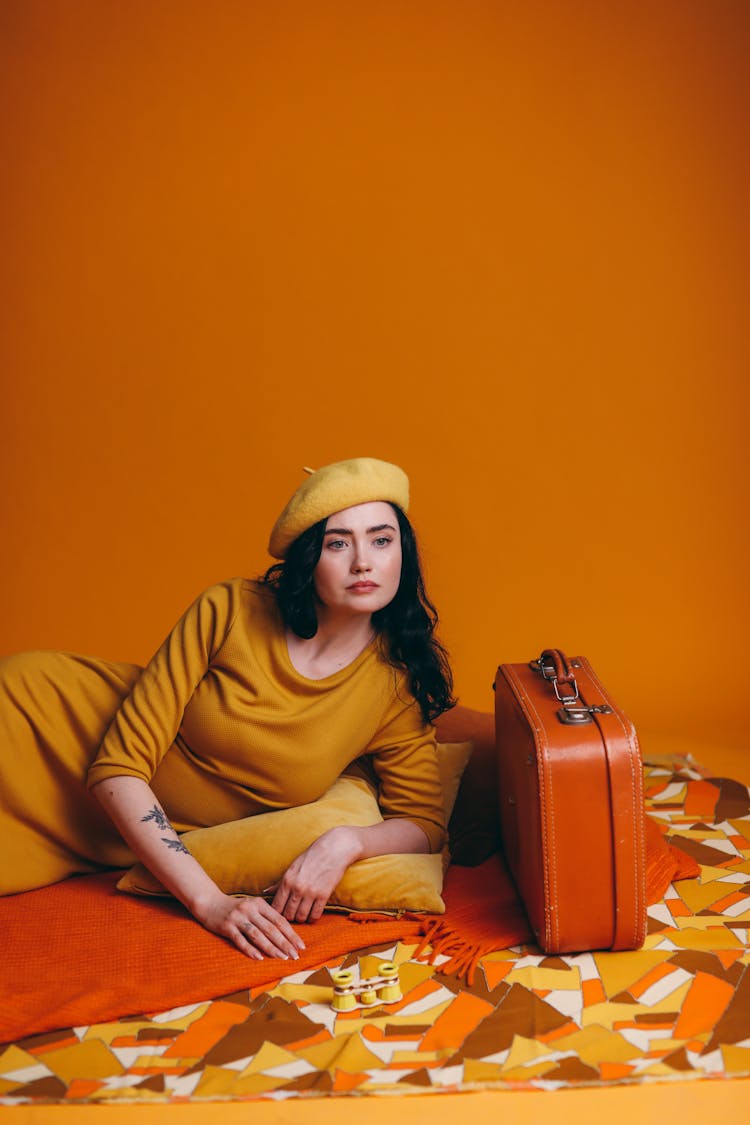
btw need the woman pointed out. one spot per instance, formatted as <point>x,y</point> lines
<point>258,699</point>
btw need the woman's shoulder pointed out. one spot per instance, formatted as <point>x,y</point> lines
<point>238,589</point>
<point>226,607</point>
<point>257,603</point>
<point>224,601</point>
<point>256,592</point>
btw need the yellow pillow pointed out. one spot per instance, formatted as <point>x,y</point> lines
<point>247,856</point>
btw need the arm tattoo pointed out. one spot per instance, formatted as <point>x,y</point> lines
<point>160,820</point>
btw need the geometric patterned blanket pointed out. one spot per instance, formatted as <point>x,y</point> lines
<point>679,1008</point>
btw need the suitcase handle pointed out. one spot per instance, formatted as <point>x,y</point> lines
<point>556,669</point>
<point>561,669</point>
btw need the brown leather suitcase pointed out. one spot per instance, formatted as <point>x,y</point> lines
<point>571,801</point>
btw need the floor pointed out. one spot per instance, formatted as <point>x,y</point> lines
<point>685,1102</point>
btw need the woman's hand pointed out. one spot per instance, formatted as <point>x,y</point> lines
<point>252,925</point>
<point>309,882</point>
<point>311,879</point>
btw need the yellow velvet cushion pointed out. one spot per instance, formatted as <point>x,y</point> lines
<point>248,856</point>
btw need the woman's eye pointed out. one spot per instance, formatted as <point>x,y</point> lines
<point>382,540</point>
<point>336,544</point>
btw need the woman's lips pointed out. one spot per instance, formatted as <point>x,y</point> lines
<point>363,587</point>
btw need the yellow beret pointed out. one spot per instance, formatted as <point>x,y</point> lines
<point>333,488</point>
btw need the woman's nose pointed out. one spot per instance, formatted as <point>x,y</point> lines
<point>361,562</point>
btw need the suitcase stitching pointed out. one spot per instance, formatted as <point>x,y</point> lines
<point>639,920</point>
<point>547,807</point>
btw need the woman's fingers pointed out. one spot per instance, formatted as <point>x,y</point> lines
<point>240,941</point>
<point>260,931</point>
<point>301,905</point>
<point>297,908</point>
<point>309,881</point>
<point>295,902</point>
<point>316,910</point>
<point>294,907</point>
<point>287,902</point>
<point>264,943</point>
<point>280,927</point>
<point>277,931</point>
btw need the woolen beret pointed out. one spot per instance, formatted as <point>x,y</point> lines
<point>333,488</point>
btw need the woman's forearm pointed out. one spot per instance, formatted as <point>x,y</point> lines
<point>140,819</point>
<point>390,837</point>
<point>252,924</point>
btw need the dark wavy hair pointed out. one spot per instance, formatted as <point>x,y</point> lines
<point>406,625</point>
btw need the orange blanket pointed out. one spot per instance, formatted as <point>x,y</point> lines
<point>80,952</point>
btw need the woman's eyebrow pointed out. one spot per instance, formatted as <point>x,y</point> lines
<point>348,530</point>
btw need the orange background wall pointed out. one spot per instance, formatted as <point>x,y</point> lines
<point>504,244</point>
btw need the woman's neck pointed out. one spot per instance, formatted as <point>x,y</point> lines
<point>336,644</point>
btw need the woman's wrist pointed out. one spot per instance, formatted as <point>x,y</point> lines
<point>201,901</point>
<point>349,841</point>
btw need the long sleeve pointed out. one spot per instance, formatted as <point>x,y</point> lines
<point>147,722</point>
<point>404,757</point>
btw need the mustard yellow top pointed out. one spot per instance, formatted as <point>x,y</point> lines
<point>222,725</point>
<point>219,723</point>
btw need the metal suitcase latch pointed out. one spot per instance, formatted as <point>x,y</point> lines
<point>574,712</point>
<point>575,715</point>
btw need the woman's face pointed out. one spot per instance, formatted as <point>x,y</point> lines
<point>360,564</point>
